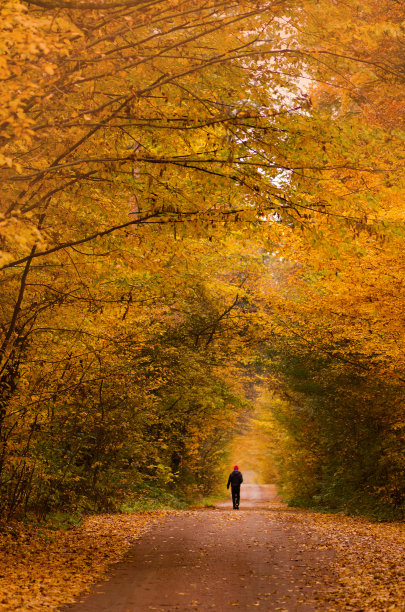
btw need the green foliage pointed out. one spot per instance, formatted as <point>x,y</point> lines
<point>152,497</point>
<point>339,437</point>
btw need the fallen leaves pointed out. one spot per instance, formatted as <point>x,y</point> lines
<point>42,568</point>
<point>332,562</point>
<point>368,560</point>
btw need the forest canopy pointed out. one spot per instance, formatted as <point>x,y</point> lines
<point>201,205</point>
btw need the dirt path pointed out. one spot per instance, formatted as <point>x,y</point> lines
<point>218,559</point>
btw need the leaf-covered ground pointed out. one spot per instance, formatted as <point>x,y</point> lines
<point>360,565</point>
<point>41,568</point>
<point>370,561</point>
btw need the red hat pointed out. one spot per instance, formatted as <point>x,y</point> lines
<point>236,467</point>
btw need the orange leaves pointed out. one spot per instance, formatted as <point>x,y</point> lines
<point>364,564</point>
<point>369,562</point>
<point>43,568</point>
<point>240,213</point>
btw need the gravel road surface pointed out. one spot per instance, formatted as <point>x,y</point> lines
<point>220,559</point>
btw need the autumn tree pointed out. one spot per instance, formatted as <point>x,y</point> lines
<point>183,185</point>
<point>338,301</point>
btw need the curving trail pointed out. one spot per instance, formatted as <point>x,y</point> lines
<point>221,559</point>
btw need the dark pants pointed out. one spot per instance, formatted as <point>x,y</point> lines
<point>235,496</point>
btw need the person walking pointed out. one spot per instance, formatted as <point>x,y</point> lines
<point>235,480</point>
